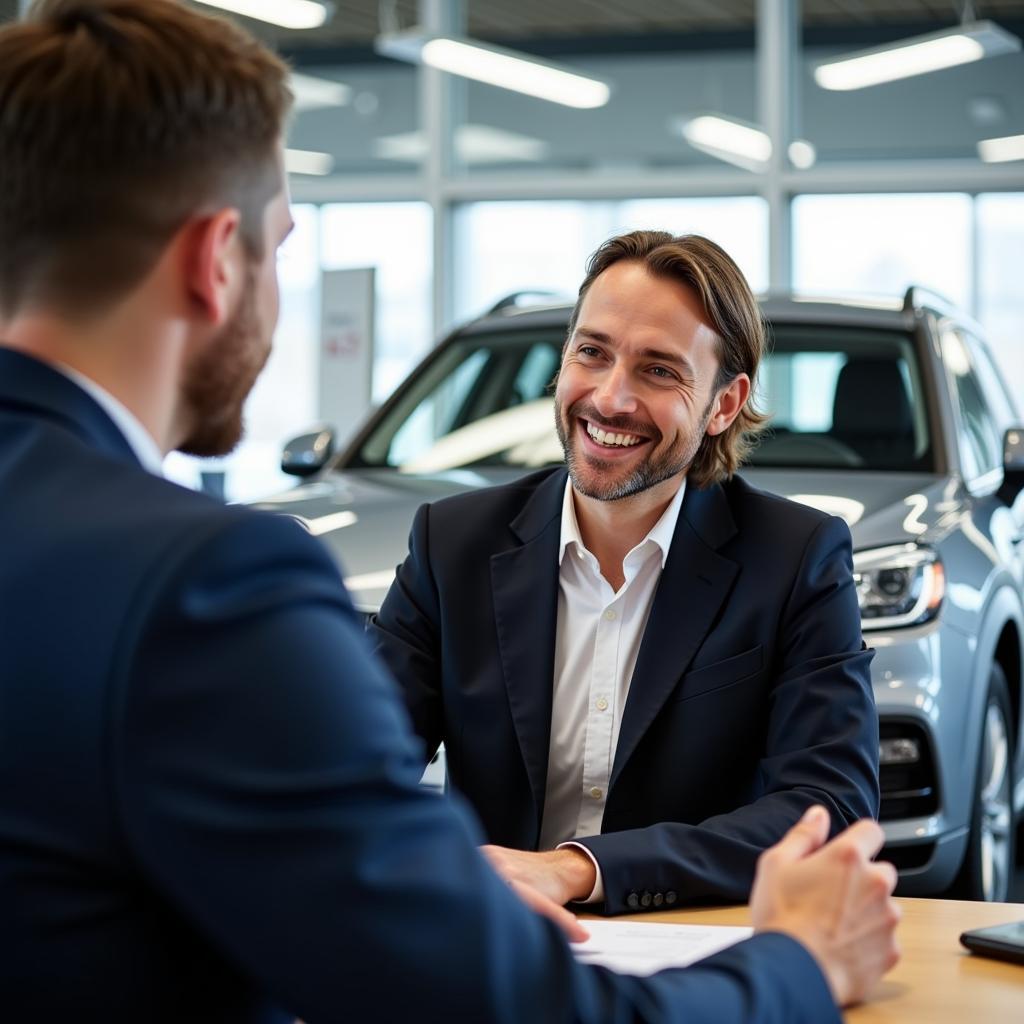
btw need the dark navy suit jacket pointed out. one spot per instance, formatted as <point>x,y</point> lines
<point>209,807</point>
<point>751,698</point>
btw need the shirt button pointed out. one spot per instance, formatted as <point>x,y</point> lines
<point>601,704</point>
<point>596,793</point>
<point>610,615</point>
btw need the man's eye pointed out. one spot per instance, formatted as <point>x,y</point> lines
<point>588,350</point>
<point>662,372</point>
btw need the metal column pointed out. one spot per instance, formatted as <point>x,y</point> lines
<point>437,107</point>
<point>778,50</point>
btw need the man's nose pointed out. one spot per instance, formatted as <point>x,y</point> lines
<point>615,395</point>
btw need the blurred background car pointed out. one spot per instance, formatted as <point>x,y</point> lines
<point>889,415</point>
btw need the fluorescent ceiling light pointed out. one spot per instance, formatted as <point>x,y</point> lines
<point>474,144</point>
<point>312,93</point>
<point>497,66</point>
<point>916,56</point>
<point>740,143</point>
<point>305,161</point>
<point>733,141</point>
<point>995,151</point>
<point>286,13</point>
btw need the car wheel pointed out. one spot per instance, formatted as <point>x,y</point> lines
<point>988,863</point>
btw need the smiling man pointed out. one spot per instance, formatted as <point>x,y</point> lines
<point>643,670</point>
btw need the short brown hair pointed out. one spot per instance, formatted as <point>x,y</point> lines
<point>120,120</point>
<point>731,310</point>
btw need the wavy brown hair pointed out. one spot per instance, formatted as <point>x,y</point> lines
<point>731,310</point>
<point>119,121</point>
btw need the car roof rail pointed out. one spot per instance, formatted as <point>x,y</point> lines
<point>514,299</point>
<point>916,296</point>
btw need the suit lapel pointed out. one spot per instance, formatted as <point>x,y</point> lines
<point>694,584</point>
<point>525,589</point>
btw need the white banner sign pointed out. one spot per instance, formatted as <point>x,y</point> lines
<point>346,349</point>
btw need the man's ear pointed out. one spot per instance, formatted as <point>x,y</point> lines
<point>212,264</point>
<point>728,404</point>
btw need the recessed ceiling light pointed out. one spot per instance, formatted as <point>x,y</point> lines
<point>802,154</point>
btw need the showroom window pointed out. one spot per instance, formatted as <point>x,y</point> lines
<point>543,246</point>
<point>881,244</point>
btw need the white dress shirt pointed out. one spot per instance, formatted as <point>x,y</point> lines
<point>141,442</point>
<point>597,641</point>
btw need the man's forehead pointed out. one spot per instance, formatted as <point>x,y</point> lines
<point>628,295</point>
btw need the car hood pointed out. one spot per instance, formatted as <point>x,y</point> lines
<point>364,515</point>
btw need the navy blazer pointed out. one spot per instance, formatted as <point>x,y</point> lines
<point>751,698</point>
<point>209,807</point>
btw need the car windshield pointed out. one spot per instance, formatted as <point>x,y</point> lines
<point>839,398</point>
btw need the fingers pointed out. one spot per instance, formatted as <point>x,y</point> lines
<point>865,837</point>
<point>540,904</point>
<point>806,836</point>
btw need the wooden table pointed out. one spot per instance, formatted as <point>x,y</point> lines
<point>936,981</point>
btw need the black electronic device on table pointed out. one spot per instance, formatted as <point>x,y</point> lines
<point>1002,941</point>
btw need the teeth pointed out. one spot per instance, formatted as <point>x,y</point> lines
<point>612,440</point>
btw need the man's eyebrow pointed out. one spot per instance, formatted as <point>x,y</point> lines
<point>657,354</point>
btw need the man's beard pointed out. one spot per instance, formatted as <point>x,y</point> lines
<point>219,379</point>
<point>654,469</point>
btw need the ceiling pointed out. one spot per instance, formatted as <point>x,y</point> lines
<point>356,22</point>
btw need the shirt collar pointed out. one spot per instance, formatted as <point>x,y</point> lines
<point>661,533</point>
<point>146,450</point>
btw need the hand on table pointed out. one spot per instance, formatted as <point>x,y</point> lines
<point>833,899</point>
<point>546,881</point>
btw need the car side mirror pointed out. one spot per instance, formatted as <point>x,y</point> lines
<point>1013,464</point>
<point>308,453</point>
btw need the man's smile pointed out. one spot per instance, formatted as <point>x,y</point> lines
<point>611,439</point>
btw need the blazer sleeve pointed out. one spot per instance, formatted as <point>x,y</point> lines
<point>821,747</point>
<point>265,781</point>
<point>405,635</point>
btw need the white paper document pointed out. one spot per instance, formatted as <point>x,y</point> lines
<point>636,947</point>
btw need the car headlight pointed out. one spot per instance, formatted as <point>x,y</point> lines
<point>899,585</point>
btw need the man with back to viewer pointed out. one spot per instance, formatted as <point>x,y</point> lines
<point>209,807</point>
<point>643,669</point>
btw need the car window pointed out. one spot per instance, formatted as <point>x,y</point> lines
<point>483,401</point>
<point>839,397</point>
<point>993,384</point>
<point>979,438</point>
<point>843,398</point>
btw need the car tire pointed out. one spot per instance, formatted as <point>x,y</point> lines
<point>987,869</point>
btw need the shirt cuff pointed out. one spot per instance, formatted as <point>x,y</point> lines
<point>597,893</point>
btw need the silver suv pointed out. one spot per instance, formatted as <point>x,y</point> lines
<point>893,417</point>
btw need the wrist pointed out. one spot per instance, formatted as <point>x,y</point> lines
<point>577,872</point>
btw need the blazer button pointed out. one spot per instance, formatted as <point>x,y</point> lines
<point>632,901</point>
<point>659,898</point>
<point>645,900</point>
<point>670,898</point>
